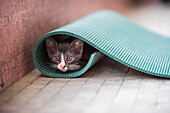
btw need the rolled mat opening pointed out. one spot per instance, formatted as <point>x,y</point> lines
<point>115,36</point>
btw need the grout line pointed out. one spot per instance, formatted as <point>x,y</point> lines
<point>35,94</point>
<point>133,104</point>
<point>19,91</point>
<point>51,98</point>
<point>117,91</point>
<point>157,96</point>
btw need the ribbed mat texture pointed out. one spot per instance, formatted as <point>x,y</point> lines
<point>115,36</point>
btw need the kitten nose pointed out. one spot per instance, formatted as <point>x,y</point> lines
<point>62,67</point>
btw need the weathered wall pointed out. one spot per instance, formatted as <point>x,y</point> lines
<point>23,22</point>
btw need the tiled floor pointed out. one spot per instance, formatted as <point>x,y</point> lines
<point>108,87</point>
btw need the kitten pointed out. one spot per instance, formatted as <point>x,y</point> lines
<point>65,54</point>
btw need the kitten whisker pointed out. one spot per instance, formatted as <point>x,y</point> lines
<point>53,65</point>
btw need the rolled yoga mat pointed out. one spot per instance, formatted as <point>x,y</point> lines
<point>115,36</point>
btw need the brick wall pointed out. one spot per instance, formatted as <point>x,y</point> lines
<point>23,22</point>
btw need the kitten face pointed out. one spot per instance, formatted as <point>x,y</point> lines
<point>65,55</point>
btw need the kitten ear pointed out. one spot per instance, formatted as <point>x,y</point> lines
<point>50,42</point>
<point>77,45</point>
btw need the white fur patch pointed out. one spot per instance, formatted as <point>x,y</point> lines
<point>62,60</point>
<point>62,65</point>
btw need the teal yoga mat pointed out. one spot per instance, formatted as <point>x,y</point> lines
<point>115,36</point>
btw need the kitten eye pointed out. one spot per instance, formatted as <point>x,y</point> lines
<point>69,58</point>
<point>56,58</point>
